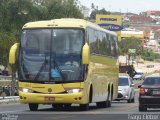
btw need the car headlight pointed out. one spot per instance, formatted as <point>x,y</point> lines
<point>76,90</point>
<point>26,90</point>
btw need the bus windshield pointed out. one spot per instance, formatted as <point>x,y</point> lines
<point>51,55</point>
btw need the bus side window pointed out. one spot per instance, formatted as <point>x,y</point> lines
<point>114,46</point>
<point>108,45</point>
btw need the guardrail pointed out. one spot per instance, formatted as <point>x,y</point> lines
<point>9,97</point>
<point>6,88</point>
<point>5,77</point>
<point>2,77</point>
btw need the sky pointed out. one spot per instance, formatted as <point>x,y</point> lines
<point>134,6</point>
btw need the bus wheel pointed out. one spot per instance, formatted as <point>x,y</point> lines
<point>103,104</point>
<point>57,106</point>
<point>84,107</point>
<point>33,106</point>
<point>67,106</point>
<point>110,100</point>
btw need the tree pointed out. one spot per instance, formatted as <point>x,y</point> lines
<point>137,44</point>
<point>63,9</point>
<point>15,13</point>
<point>6,41</point>
<point>96,11</point>
<point>130,43</point>
<point>150,55</point>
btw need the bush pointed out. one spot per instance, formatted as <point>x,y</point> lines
<point>149,55</point>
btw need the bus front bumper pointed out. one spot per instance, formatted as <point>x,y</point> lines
<point>77,98</point>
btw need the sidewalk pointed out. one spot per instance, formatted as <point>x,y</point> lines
<point>9,99</point>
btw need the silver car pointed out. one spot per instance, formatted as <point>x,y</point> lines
<point>139,76</point>
<point>126,89</point>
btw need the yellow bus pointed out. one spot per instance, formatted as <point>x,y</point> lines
<point>66,61</point>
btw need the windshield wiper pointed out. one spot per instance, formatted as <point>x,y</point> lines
<point>41,68</point>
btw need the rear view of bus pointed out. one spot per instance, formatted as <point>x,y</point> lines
<point>53,60</point>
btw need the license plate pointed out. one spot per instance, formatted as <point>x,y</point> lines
<point>49,98</point>
<point>156,92</point>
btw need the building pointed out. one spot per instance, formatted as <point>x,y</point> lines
<point>140,19</point>
<point>148,22</point>
<point>153,13</point>
<point>131,32</point>
<point>147,28</point>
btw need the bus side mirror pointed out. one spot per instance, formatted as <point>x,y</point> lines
<point>13,53</point>
<point>85,54</point>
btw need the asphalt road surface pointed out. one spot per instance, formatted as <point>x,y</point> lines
<point>119,110</point>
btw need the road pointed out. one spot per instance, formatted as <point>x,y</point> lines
<point>119,110</point>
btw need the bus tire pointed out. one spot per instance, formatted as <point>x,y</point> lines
<point>33,106</point>
<point>67,106</point>
<point>57,106</point>
<point>84,107</point>
<point>110,98</point>
<point>103,104</point>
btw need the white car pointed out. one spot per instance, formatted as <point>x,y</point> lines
<point>126,89</point>
<point>139,75</point>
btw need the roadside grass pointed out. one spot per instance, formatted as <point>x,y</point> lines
<point>5,83</point>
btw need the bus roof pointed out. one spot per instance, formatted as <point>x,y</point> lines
<point>65,23</point>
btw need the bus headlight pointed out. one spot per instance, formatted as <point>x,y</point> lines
<point>26,90</point>
<point>76,90</point>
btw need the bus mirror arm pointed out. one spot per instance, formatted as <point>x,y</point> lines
<point>85,54</point>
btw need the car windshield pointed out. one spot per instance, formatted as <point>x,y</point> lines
<point>152,81</point>
<point>123,81</point>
